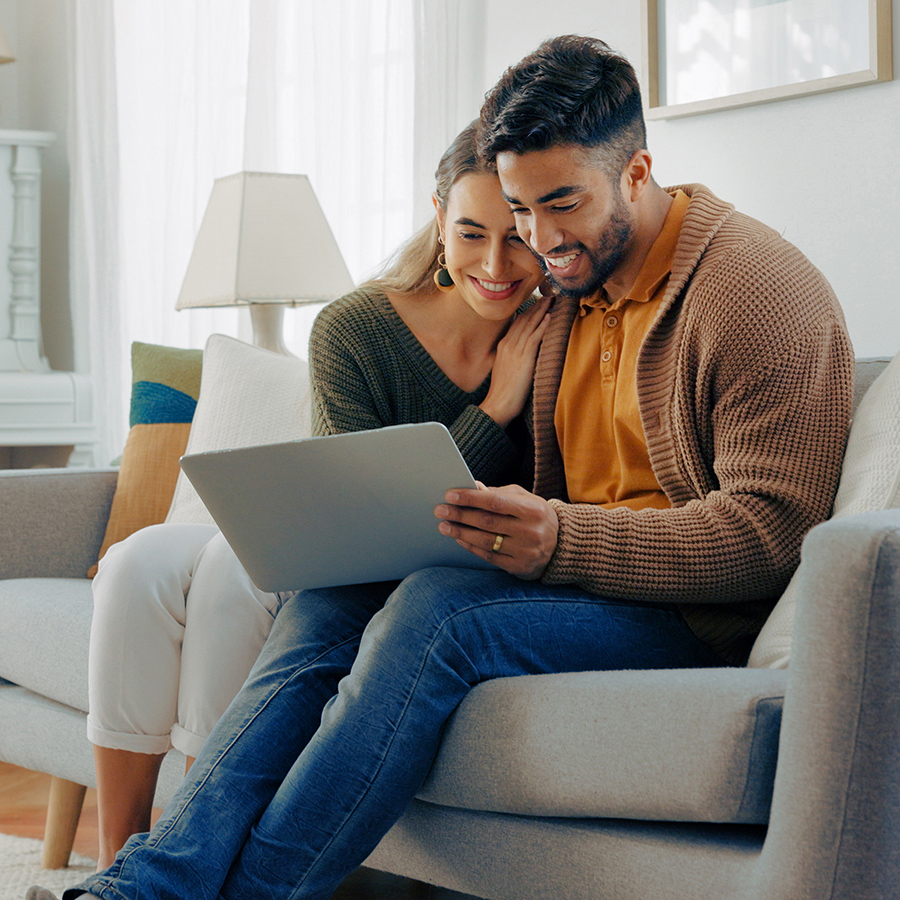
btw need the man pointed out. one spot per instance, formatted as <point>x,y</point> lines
<point>691,398</point>
<point>690,411</point>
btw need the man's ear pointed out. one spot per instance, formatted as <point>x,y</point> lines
<point>636,176</point>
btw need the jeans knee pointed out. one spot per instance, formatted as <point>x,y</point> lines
<point>445,591</point>
<point>437,601</point>
<point>420,598</point>
<point>428,626</point>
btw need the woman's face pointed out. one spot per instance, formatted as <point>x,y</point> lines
<point>490,265</point>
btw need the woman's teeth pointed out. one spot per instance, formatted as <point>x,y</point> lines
<point>495,286</point>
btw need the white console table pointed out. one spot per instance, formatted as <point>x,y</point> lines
<point>43,414</point>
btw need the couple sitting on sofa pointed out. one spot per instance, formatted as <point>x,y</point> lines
<point>691,399</point>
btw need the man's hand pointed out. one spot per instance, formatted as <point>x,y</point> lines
<point>508,526</point>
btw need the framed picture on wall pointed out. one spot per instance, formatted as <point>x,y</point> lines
<point>703,55</point>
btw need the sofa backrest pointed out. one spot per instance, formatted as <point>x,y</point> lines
<point>868,482</point>
<point>867,370</point>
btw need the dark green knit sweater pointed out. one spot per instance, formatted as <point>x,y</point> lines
<point>368,370</point>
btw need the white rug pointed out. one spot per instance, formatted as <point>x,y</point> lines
<point>20,867</point>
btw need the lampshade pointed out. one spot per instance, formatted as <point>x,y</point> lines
<point>263,239</point>
<point>6,52</point>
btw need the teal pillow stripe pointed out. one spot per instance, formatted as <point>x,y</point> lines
<point>165,384</point>
<point>152,403</point>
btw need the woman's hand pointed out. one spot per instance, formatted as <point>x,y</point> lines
<point>513,370</point>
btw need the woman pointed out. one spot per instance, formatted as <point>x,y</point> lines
<point>435,338</point>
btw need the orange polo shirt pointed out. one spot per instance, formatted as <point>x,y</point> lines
<point>598,423</point>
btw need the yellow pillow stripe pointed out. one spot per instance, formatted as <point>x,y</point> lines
<point>146,481</point>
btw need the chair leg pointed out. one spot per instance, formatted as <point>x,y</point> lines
<point>63,812</point>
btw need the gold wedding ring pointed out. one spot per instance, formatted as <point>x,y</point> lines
<point>498,543</point>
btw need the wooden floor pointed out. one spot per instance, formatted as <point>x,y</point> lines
<point>23,803</point>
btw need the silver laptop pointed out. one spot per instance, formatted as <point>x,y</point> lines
<point>343,509</point>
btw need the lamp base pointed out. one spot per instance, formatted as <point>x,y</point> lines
<point>268,327</point>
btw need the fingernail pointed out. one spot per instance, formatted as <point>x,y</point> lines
<point>442,511</point>
<point>451,497</point>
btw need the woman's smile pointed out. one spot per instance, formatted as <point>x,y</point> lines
<point>494,290</point>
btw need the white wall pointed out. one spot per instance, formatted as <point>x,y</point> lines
<point>822,170</point>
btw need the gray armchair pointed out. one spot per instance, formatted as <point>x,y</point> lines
<point>833,832</point>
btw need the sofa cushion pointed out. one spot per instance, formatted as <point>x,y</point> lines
<point>697,745</point>
<point>50,737</point>
<point>45,636</point>
<point>870,481</point>
<point>247,396</point>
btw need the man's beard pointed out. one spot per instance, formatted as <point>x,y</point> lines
<point>603,259</point>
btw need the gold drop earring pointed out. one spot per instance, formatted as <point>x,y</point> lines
<point>442,279</point>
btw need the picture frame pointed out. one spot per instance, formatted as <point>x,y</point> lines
<point>706,55</point>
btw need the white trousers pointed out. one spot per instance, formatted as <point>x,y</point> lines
<point>177,626</point>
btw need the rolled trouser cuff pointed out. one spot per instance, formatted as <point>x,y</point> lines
<point>133,743</point>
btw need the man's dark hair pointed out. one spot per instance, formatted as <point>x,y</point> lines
<point>571,90</point>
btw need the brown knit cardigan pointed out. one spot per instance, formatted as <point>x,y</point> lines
<point>744,384</point>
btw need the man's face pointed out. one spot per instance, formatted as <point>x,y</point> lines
<point>574,220</point>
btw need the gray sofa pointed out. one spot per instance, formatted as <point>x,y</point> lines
<point>768,784</point>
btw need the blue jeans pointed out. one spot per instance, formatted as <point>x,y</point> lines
<point>340,719</point>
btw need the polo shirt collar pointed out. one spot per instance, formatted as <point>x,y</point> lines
<point>657,266</point>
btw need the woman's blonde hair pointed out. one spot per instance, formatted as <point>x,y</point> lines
<point>410,270</point>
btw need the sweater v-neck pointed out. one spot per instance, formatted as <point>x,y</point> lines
<point>417,353</point>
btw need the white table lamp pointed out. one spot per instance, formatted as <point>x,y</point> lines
<point>264,242</point>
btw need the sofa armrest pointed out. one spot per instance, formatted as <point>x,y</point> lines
<point>53,520</point>
<point>834,829</point>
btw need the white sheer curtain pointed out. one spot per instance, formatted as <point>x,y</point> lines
<point>168,95</point>
<point>93,218</point>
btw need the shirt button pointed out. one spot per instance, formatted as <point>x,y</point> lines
<point>612,321</point>
<point>607,356</point>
